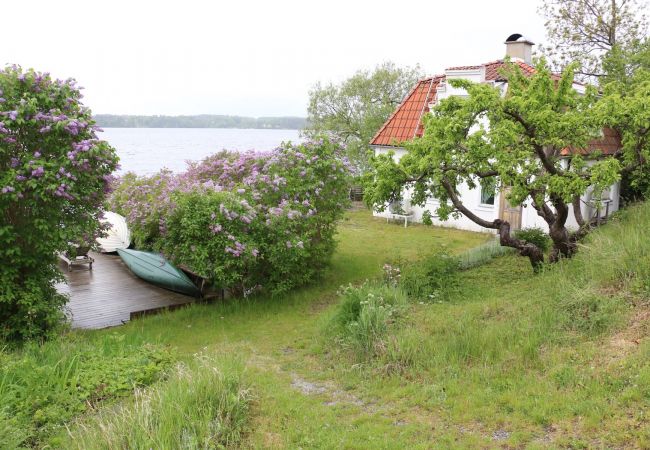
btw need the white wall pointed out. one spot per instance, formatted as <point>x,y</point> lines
<point>472,197</point>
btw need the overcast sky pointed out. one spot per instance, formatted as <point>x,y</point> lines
<point>253,58</point>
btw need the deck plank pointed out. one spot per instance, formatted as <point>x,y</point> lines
<point>110,293</point>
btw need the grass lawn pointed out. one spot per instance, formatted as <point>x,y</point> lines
<point>509,360</point>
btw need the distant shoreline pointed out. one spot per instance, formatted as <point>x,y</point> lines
<point>201,121</point>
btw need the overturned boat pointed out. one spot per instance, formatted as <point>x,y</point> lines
<point>117,236</point>
<point>155,269</point>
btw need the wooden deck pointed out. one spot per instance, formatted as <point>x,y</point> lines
<point>110,294</point>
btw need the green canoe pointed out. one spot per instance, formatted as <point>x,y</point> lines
<point>157,270</point>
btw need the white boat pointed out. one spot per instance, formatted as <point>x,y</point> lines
<point>117,236</point>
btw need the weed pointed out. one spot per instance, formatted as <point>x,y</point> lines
<point>432,279</point>
<point>43,386</point>
<point>204,405</point>
<point>364,315</point>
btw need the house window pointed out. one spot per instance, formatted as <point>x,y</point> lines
<point>487,195</point>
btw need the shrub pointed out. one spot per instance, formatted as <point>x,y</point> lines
<point>482,254</point>
<point>54,174</point>
<point>243,220</point>
<point>203,405</point>
<point>432,278</point>
<point>427,217</point>
<point>44,386</point>
<point>534,235</point>
<point>364,316</point>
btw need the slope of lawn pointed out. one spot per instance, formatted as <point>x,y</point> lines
<point>507,359</point>
<point>42,388</point>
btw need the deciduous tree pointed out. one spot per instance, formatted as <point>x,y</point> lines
<point>355,109</point>
<point>586,31</point>
<point>519,140</point>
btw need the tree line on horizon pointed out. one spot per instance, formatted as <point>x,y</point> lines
<point>200,121</point>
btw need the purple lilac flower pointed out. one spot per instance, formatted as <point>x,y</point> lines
<point>7,189</point>
<point>38,172</point>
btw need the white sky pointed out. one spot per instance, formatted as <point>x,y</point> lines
<point>253,58</point>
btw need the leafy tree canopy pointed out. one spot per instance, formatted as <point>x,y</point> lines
<point>586,31</point>
<point>355,109</point>
<point>54,174</point>
<point>516,140</point>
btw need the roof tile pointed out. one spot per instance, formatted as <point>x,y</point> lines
<point>406,121</point>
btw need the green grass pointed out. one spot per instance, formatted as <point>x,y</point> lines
<point>44,386</point>
<point>203,404</point>
<point>509,359</point>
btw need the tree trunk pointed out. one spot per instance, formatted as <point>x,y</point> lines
<point>563,245</point>
<point>534,253</point>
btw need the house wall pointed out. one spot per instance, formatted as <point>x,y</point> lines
<point>472,197</point>
<point>472,200</point>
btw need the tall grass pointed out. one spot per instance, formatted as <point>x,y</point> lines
<point>610,273</point>
<point>364,315</point>
<point>44,385</point>
<point>203,405</point>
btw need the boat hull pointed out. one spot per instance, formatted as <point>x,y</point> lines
<point>157,270</point>
<point>117,236</point>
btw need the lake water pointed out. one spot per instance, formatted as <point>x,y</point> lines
<point>147,150</point>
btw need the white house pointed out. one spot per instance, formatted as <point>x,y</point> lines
<point>406,123</point>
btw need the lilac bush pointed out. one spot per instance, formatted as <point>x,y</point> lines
<point>54,176</point>
<point>243,220</point>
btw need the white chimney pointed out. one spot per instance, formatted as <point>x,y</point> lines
<point>519,47</point>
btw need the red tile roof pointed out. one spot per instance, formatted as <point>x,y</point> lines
<point>609,144</point>
<point>406,122</point>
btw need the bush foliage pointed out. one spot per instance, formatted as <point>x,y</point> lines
<point>431,279</point>
<point>54,174</point>
<point>243,220</point>
<point>535,235</point>
<point>44,386</point>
